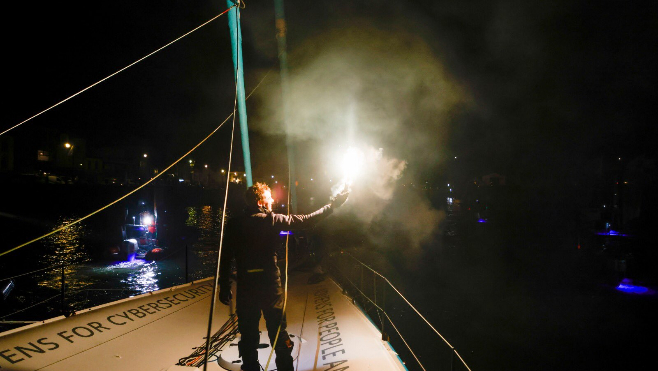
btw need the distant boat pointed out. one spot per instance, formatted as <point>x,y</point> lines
<point>138,241</point>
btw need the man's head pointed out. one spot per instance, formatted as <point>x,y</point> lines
<point>259,195</point>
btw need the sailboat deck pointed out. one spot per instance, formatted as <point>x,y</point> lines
<point>153,331</point>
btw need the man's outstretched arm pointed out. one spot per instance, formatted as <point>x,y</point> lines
<point>295,222</point>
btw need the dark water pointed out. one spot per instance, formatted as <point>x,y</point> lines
<point>512,294</point>
<point>516,293</point>
<point>189,233</point>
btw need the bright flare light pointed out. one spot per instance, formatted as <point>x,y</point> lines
<point>147,220</point>
<point>351,165</point>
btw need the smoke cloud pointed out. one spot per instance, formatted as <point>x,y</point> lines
<point>386,93</point>
<point>385,86</point>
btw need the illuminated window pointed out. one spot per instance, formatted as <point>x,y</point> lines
<point>43,155</point>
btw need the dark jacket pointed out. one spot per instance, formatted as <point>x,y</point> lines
<point>252,240</point>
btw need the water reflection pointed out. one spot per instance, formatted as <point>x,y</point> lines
<point>206,220</point>
<point>65,247</point>
<point>91,282</point>
<point>140,276</point>
<point>192,216</point>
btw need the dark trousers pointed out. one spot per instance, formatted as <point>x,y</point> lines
<point>251,301</point>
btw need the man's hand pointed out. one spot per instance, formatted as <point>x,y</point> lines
<point>225,295</point>
<point>339,199</point>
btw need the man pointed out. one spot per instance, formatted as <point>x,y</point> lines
<point>252,240</point>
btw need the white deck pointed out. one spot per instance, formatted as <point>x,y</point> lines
<point>152,331</point>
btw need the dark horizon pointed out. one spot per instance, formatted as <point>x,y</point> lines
<point>538,84</point>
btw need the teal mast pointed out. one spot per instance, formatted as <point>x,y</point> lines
<point>236,46</point>
<point>283,64</point>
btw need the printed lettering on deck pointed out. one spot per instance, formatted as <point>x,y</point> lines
<point>15,353</point>
<point>332,349</point>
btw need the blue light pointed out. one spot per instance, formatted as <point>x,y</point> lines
<point>627,286</point>
<point>632,289</point>
<point>482,220</point>
<point>612,233</point>
<point>284,233</point>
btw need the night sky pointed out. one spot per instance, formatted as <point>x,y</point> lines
<point>504,85</point>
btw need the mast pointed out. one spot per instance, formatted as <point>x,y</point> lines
<point>283,64</point>
<point>236,47</point>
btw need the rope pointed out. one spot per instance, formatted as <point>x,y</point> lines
<point>213,299</point>
<point>119,199</point>
<point>158,175</point>
<point>36,239</point>
<point>140,187</point>
<point>224,335</point>
<point>87,289</point>
<point>35,271</point>
<point>221,234</point>
<point>117,72</point>
<point>461,359</point>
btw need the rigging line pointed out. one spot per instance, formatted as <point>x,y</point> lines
<point>223,336</point>
<point>389,319</point>
<point>34,271</point>
<point>117,72</point>
<point>85,289</point>
<point>405,299</point>
<point>213,299</point>
<point>461,359</point>
<point>218,340</point>
<point>136,189</point>
<point>119,199</point>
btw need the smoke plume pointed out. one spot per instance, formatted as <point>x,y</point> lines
<point>386,93</point>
